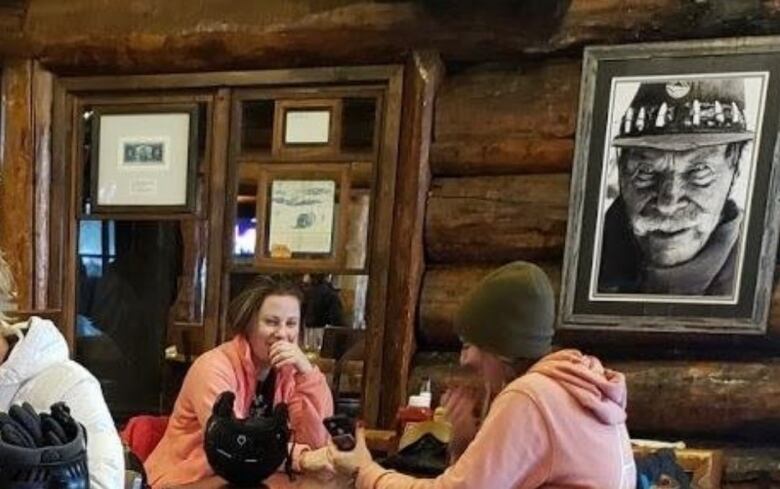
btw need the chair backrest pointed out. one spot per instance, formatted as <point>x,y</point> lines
<point>337,340</point>
<point>341,344</point>
<point>143,433</point>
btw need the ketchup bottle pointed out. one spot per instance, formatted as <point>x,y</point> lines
<point>418,410</point>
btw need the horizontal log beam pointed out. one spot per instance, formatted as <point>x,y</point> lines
<point>176,36</point>
<point>612,21</point>
<point>501,156</point>
<point>740,400</point>
<point>443,289</point>
<point>737,400</point>
<point>540,99</point>
<point>497,219</point>
<point>752,466</point>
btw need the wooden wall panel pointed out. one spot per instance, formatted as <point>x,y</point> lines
<point>502,155</point>
<point>539,99</point>
<point>17,184</point>
<point>672,399</point>
<point>509,121</point>
<point>497,219</point>
<point>442,291</point>
<point>421,80</point>
<point>505,132</point>
<point>42,102</point>
<point>176,35</point>
<point>445,286</point>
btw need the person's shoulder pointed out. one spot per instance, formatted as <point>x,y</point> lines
<point>216,357</point>
<point>221,360</point>
<point>55,381</point>
<point>533,385</point>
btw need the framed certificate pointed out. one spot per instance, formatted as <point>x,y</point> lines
<point>143,159</point>
<point>307,128</point>
<point>302,214</point>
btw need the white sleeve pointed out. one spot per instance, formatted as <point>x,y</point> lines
<point>105,457</point>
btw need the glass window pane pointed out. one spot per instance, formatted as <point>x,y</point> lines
<point>123,306</point>
<point>90,238</point>
<point>359,117</point>
<point>257,125</point>
<point>245,232</point>
<point>191,298</point>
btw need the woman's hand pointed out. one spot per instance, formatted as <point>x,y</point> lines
<point>349,463</point>
<point>459,404</point>
<point>284,353</point>
<point>317,463</point>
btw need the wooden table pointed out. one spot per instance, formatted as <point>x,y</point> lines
<point>276,481</point>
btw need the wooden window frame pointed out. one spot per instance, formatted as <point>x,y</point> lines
<point>65,191</point>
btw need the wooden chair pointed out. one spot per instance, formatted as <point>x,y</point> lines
<point>341,344</point>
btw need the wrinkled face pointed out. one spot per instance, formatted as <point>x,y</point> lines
<point>674,199</point>
<point>279,318</point>
<point>487,365</point>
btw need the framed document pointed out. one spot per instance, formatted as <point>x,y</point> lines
<point>143,159</point>
<point>301,215</point>
<point>303,212</point>
<point>307,128</point>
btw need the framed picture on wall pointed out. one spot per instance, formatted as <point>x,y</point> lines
<point>673,215</point>
<point>303,212</point>
<point>307,128</point>
<point>143,159</point>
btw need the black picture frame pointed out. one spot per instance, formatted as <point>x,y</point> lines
<point>589,299</point>
<point>189,206</point>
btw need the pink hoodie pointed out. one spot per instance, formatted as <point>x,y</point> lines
<point>560,426</point>
<point>179,457</point>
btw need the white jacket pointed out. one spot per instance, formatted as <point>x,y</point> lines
<point>39,371</point>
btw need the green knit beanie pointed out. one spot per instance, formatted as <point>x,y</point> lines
<point>510,313</point>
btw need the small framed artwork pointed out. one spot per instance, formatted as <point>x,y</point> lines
<point>673,212</point>
<point>144,159</point>
<point>304,211</point>
<point>307,128</point>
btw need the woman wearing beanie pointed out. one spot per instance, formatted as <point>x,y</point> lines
<point>558,423</point>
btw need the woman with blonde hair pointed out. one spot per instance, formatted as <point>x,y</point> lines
<point>35,368</point>
<point>261,364</point>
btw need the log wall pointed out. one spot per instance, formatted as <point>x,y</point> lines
<point>500,158</point>
<point>501,161</point>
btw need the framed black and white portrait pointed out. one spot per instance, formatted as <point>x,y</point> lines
<point>672,218</point>
<point>143,159</point>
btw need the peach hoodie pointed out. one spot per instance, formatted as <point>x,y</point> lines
<point>179,457</point>
<point>562,425</point>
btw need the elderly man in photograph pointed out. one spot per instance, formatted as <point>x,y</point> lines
<point>674,228</point>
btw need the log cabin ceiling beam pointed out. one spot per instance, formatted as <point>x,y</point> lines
<point>125,38</point>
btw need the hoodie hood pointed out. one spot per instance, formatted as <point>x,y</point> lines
<point>597,389</point>
<point>41,347</point>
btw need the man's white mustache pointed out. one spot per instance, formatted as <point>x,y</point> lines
<point>652,220</point>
